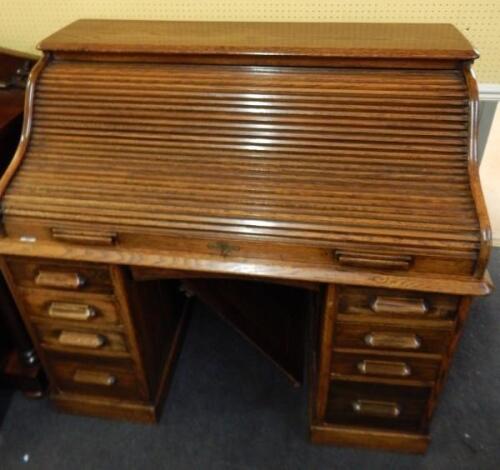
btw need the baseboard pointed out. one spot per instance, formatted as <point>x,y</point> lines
<point>496,242</point>
<point>489,91</point>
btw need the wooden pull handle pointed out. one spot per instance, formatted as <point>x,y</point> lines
<point>81,340</point>
<point>59,279</point>
<point>87,237</point>
<point>70,311</point>
<point>94,378</point>
<point>389,368</point>
<point>402,305</point>
<point>386,339</point>
<point>360,260</point>
<point>383,409</point>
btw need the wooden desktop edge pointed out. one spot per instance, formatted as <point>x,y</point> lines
<point>250,267</point>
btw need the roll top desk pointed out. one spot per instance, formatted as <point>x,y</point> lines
<point>298,178</point>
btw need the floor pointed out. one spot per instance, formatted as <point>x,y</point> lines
<point>230,409</point>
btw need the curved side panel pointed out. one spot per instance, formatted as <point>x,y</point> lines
<point>26,130</point>
<point>477,193</point>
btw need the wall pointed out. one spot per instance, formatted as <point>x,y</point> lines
<point>490,177</point>
<point>23,23</point>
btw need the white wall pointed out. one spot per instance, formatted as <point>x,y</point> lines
<point>490,176</point>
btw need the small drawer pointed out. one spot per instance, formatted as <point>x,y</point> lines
<point>372,367</point>
<point>81,308</point>
<point>377,405</point>
<point>76,277</point>
<point>71,338</point>
<point>113,378</point>
<point>381,336</point>
<point>396,303</point>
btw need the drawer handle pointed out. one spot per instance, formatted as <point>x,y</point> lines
<point>94,378</point>
<point>386,339</point>
<point>383,409</point>
<point>69,311</point>
<point>397,369</point>
<point>87,237</point>
<point>81,340</point>
<point>359,260</point>
<point>400,305</point>
<point>59,279</point>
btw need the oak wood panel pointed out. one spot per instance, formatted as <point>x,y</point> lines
<point>271,317</point>
<point>276,268</point>
<point>264,121</point>
<point>409,401</point>
<point>39,303</point>
<point>367,367</point>
<point>391,337</point>
<point>81,375</point>
<point>71,338</point>
<point>388,303</point>
<point>61,275</point>
<point>360,436</point>
<point>251,38</point>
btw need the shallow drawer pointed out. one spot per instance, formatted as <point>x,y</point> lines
<point>106,377</point>
<point>396,303</point>
<point>376,405</point>
<point>83,277</point>
<point>372,367</point>
<point>380,336</point>
<point>81,308</point>
<point>67,337</point>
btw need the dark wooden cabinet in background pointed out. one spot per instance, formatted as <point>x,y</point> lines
<point>297,178</point>
<point>19,366</point>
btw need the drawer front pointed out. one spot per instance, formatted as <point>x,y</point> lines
<point>356,301</point>
<point>76,277</point>
<point>376,367</point>
<point>376,405</point>
<point>388,337</point>
<point>69,338</point>
<point>104,377</point>
<point>81,308</point>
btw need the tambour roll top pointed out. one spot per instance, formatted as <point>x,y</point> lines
<point>363,159</point>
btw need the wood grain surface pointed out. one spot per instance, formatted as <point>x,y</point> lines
<point>376,40</point>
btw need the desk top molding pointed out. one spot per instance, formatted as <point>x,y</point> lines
<point>341,40</point>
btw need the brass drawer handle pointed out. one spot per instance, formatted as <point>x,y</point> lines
<point>81,340</point>
<point>372,261</point>
<point>70,311</point>
<point>402,305</point>
<point>59,279</point>
<point>390,368</point>
<point>94,378</point>
<point>383,409</point>
<point>86,237</point>
<point>386,339</point>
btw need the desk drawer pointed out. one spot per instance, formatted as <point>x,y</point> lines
<point>81,308</point>
<point>106,377</point>
<point>79,277</point>
<point>379,336</point>
<point>368,367</point>
<point>376,405</point>
<point>70,338</point>
<point>396,303</point>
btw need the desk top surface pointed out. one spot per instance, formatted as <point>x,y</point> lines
<point>363,40</point>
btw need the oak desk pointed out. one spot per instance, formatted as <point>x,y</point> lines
<point>333,166</point>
